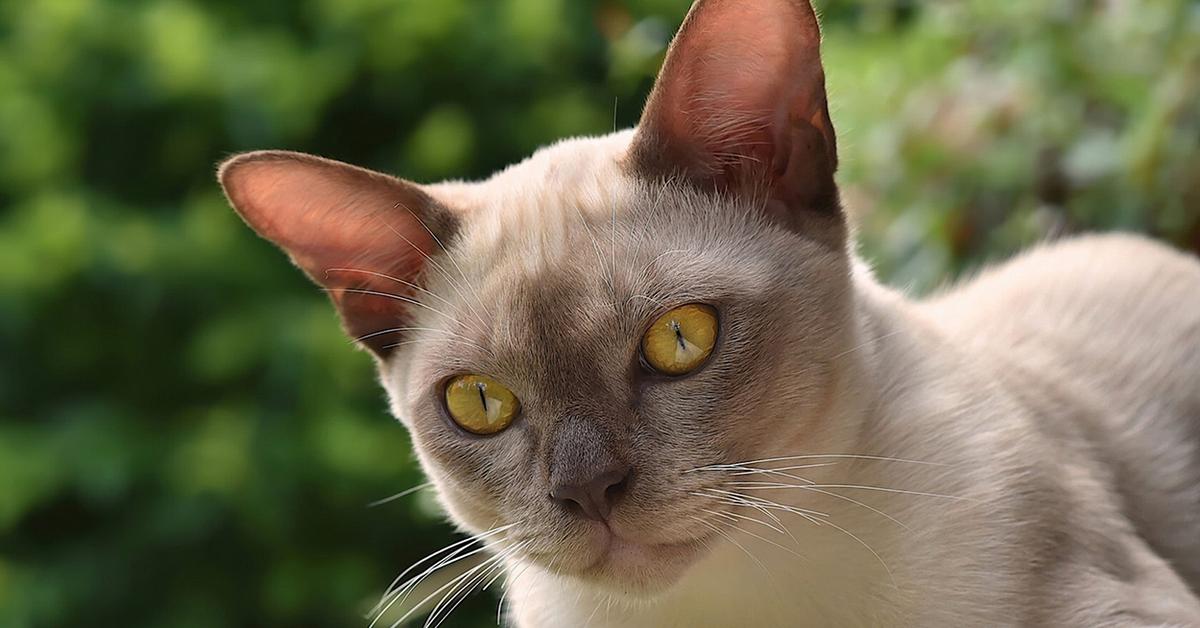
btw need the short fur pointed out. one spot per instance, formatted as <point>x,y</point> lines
<point>1023,449</point>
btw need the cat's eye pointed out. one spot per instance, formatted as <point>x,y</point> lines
<point>679,341</point>
<point>480,404</point>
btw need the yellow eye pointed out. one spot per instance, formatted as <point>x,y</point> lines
<point>480,404</point>
<point>680,340</point>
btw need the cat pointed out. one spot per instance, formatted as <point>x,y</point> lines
<point>650,374</point>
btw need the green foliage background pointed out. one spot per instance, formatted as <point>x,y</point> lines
<point>186,439</point>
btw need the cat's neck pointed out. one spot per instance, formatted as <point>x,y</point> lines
<point>924,437</point>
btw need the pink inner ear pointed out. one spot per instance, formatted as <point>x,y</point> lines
<point>360,234</point>
<point>740,98</point>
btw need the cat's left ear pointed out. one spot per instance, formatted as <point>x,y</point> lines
<point>362,235</point>
<point>740,106</point>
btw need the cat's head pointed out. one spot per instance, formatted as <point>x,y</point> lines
<point>573,340</point>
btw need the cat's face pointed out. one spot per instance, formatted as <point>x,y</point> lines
<point>559,267</point>
<point>546,278</point>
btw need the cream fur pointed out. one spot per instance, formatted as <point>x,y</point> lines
<point>1059,394</point>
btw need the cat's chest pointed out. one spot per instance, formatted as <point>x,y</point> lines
<point>748,584</point>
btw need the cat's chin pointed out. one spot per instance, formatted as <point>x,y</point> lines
<point>641,570</point>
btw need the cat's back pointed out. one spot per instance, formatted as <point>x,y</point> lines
<point>1118,314</point>
<point>1113,323</point>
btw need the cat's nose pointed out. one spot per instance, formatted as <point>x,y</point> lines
<point>594,496</point>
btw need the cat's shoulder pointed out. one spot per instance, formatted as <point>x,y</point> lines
<point>1127,253</point>
<point>1083,277</point>
<point>1114,309</point>
<point>1115,313</point>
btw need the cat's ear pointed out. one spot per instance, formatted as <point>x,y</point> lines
<point>740,106</point>
<point>362,235</point>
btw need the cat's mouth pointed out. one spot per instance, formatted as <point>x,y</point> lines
<point>649,567</point>
<point>618,562</point>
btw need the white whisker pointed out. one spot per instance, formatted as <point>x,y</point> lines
<point>780,485</point>
<point>835,526</point>
<point>734,516</point>
<point>389,295</point>
<point>869,549</point>
<point>744,503</point>
<point>389,278</point>
<point>599,255</point>
<point>463,590</point>
<point>451,340</point>
<point>433,263</point>
<point>753,500</point>
<point>474,292</point>
<point>770,576</point>
<point>864,505</point>
<point>454,549</point>
<point>783,470</point>
<point>866,344</point>
<point>734,526</point>
<point>396,330</point>
<point>819,456</point>
<point>452,583</point>
<point>400,495</point>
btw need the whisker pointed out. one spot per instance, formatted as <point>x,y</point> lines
<point>734,516</point>
<point>866,343</point>
<point>743,503</point>
<point>432,262</point>
<point>809,484</point>
<point>766,540</point>
<point>733,525</point>
<point>400,495</point>
<point>782,470</point>
<point>650,299</point>
<point>743,470</point>
<point>513,578</point>
<point>396,330</point>
<point>453,583</point>
<point>766,502</point>
<point>612,206</point>
<point>658,257</point>
<point>715,529</point>
<point>401,594</point>
<point>752,501</point>
<point>390,278</point>
<point>463,590</point>
<point>417,341</point>
<point>592,616</point>
<point>819,456</point>
<point>454,549</point>
<point>869,549</point>
<point>450,257</point>
<point>835,526</point>
<point>504,592</point>
<point>389,295</point>
<point>596,248</point>
<point>864,505</point>
<point>470,539</point>
<point>685,295</point>
<point>779,485</point>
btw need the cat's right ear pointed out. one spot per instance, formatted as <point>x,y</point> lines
<point>364,236</point>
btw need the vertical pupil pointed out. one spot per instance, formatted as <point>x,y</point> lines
<point>678,334</point>
<point>480,386</point>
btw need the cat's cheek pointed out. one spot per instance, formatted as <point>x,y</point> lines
<point>482,481</point>
<point>466,512</point>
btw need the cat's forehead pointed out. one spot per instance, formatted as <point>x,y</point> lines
<point>536,214</point>
<point>581,173</point>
